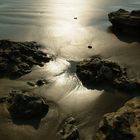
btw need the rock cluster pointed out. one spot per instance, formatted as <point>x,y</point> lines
<point>125,21</point>
<point>17,58</point>
<point>96,73</point>
<point>24,106</point>
<point>68,130</point>
<point>123,124</point>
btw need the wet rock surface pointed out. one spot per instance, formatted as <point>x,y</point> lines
<point>69,130</point>
<point>23,106</point>
<point>18,58</point>
<point>96,73</point>
<point>123,124</point>
<point>125,21</point>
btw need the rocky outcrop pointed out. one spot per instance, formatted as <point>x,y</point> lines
<point>68,130</point>
<point>18,58</point>
<point>23,106</point>
<point>125,21</point>
<point>123,124</point>
<point>96,73</point>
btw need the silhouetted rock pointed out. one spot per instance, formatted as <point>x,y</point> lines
<point>125,21</point>
<point>90,47</point>
<point>69,130</point>
<point>23,106</point>
<point>18,58</point>
<point>96,73</point>
<point>123,124</point>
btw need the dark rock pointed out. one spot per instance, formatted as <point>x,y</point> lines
<point>41,64</point>
<point>24,68</point>
<point>68,130</point>
<point>3,66</point>
<point>90,47</point>
<point>24,106</point>
<point>41,82</point>
<point>16,53</point>
<point>126,85</point>
<point>135,13</point>
<point>96,73</point>
<point>15,71</point>
<point>31,84</point>
<point>123,124</point>
<point>3,99</point>
<point>18,58</point>
<point>106,72</point>
<point>125,21</point>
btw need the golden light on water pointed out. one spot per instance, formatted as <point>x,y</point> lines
<point>65,34</point>
<point>68,17</point>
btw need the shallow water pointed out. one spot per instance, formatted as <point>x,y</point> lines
<point>52,23</point>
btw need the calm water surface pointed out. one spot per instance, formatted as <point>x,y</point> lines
<point>52,23</point>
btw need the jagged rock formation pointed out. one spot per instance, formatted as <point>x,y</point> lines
<point>23,106</point>
<point>123,124</point>
<point>96,73</point>
<point>18,58</point>
<point>125,21</point>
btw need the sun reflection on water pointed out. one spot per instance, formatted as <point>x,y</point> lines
<point>65,33</point>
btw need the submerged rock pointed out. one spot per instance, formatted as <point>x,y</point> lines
<point>68,130</point>
<point>18,58</point>
<point>123,124</point>
<point>96,73</point>
<point>24,106</point>
<point>31,83</point>
<point>125,21</point>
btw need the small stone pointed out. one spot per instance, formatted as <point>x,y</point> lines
<point>90,47</point>
<point>31,84</point>
<point>41,82</point>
